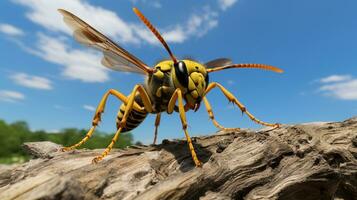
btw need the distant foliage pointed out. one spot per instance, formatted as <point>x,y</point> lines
<point>12,136</point>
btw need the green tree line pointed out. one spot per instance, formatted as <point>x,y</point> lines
<point>13,135</point>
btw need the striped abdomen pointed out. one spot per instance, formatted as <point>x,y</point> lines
<point>134,118</point>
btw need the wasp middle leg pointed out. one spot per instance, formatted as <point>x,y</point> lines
<point>233,99</point>
<point>157,124</point>
<point>177,96</point>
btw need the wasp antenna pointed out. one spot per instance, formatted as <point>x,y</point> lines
<point>155,32</point>
<point>256,66</point>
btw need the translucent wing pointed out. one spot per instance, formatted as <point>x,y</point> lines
<point>114,56</point>
<point>219,62</point>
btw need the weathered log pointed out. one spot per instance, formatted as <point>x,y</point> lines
<point>305,161</point>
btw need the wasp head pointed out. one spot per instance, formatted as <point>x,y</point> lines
<point>192,78</point>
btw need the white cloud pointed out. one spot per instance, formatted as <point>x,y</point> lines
<point>176,35</point>
<point>225,4</point>
<point>44,13</point>
<point>78,64</point>
<point>30,81</point>
<point>89,107</point>
<point>335,78</point>
<point>11,96</point>
<point>197,25</point>
<point>11,30</point>
<point>340,86</point>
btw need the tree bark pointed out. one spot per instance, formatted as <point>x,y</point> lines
<point>305,161</point>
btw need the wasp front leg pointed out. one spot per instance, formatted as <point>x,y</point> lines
<point>233,99</point>
<point>177,96</point>
<point>211,116</point>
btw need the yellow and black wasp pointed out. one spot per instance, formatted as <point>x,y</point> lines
<point>171,85</point>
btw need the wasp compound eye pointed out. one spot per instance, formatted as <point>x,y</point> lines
<point>181,73</point>
<point>207,79</point>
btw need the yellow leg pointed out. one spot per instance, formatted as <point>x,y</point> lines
<point>178,96</point>
<point>233,99</point>
<point>98,113</point>
<point>211,116</point>
<point>109,147</point>
<point>157,123</point>
<point>130,105</point>
<point>131,102</point>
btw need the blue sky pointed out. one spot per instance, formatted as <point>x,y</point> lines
<point>50,81</point>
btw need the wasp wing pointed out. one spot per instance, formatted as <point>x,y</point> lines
<point>114,56</point>
<point>219,62</point>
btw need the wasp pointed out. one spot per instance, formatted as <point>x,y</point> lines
<point>171,85</point>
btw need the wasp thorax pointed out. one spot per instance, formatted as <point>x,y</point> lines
<point>193,79</point>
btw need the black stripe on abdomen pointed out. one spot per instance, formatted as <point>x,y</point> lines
<point>134,118</point>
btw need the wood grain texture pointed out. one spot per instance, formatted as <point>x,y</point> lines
<point>305,161</point>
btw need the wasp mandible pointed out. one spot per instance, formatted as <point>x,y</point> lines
<point>171,85</point>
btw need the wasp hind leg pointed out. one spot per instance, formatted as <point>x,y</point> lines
<point>177,96</point>
<point>98,114</point>
<point>233,99</point>
<point>130,104</point>
<point>211,116</point>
